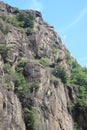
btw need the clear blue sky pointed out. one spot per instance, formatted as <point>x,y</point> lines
<point>69,17</point>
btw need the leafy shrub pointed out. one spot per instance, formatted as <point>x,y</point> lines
<point>16,10</point>
<point>21,86</point>
<point>75,64</point>
<point>21,19</point>
<point>12,20</point>
<point>29,31</point>
<point>30,119</point>
<point>60,72</point>
<point>4,27</point>
<point>55,50</point>
<point>8,77</point>
<point>25,19</point>
<point>7,82</point>
<point>4,17</point>
<point>21,65</point>
<point>4,51</point>
<point>79,78</point>
<point>44,61</point>
<point>81,97</point>
<point>7,68</point>
<point>68,57</point>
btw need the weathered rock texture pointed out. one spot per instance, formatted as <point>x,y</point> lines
<point>50,99</point>
<point>11,117</point>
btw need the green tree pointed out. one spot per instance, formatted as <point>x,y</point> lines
<point>25,19</point>
<point>30,119</point>
<point>60,72</point>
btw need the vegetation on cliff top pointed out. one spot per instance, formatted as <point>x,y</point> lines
<point>19,18</point>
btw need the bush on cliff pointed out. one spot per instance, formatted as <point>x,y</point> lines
<point>60,72</point>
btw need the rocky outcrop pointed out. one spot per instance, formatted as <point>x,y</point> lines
<point>49,97</point>
<point>49,100</point>
<point>11,117</point>
<point>5,7</point>
<point>34,12</point>
<point>30,59</point>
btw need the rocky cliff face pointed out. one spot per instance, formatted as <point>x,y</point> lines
<point>28,69</point>
<point>10,110</point>
<point>49,100</point>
